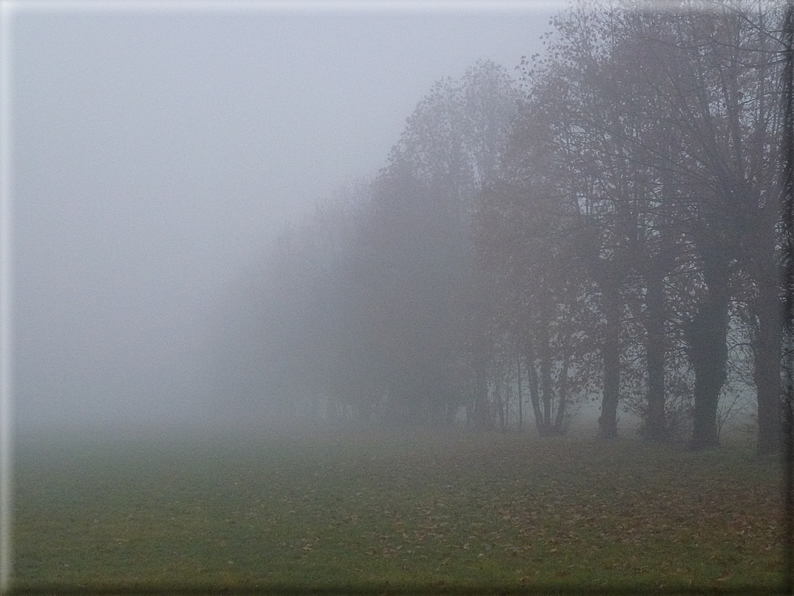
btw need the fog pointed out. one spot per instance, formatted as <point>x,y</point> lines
<point>157,152</point>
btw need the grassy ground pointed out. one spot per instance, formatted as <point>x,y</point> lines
<point>410,509</point>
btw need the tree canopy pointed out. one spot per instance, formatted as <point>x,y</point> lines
<point>607,226</point>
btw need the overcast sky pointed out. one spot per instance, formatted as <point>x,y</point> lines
<point>156,151</point>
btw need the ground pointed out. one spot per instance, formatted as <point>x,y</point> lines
<point>397,509</point>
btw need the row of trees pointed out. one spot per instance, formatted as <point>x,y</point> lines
<point>609,226</point>
<point>651,142</point>
<point>370,304</point>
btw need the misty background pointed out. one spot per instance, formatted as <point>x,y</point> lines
<point>158,153</point>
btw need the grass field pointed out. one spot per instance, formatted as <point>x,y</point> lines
<point>404,509</point>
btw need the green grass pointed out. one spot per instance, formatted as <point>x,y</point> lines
<point>414,508</point>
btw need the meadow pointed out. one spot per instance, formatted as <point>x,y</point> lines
<point>384,512</point>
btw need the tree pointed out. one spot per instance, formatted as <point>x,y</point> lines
<point>411,290</point>
<point>719,71</point>
<point>522,238</point>
<point>662,129</point>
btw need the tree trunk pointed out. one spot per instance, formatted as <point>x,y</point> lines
<point>481,419</point>
<point>499,404</point>
<point>707,335</point>
<point>533,386</point>
<point>508,397</point>
<point>610,352</point>
<point>545,384</point>
<point>769,323</point>
<point>520,396</point>
<point>544,352</point>
<point>767,350</point>
<point>655,425</point>
<point>559,421</point>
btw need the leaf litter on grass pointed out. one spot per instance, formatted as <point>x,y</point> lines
<point>421,508</point>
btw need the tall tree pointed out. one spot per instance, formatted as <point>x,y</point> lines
<point>430,331</point>
<point>663,129</point>
<point>719,71</point>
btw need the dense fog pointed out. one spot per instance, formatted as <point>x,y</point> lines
<point>398,295</point>
<point>402,216</point>
<point>156,156</point>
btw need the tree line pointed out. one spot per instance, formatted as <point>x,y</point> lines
<point>607,225</point>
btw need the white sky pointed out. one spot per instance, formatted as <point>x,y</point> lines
<point>155,152</point>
